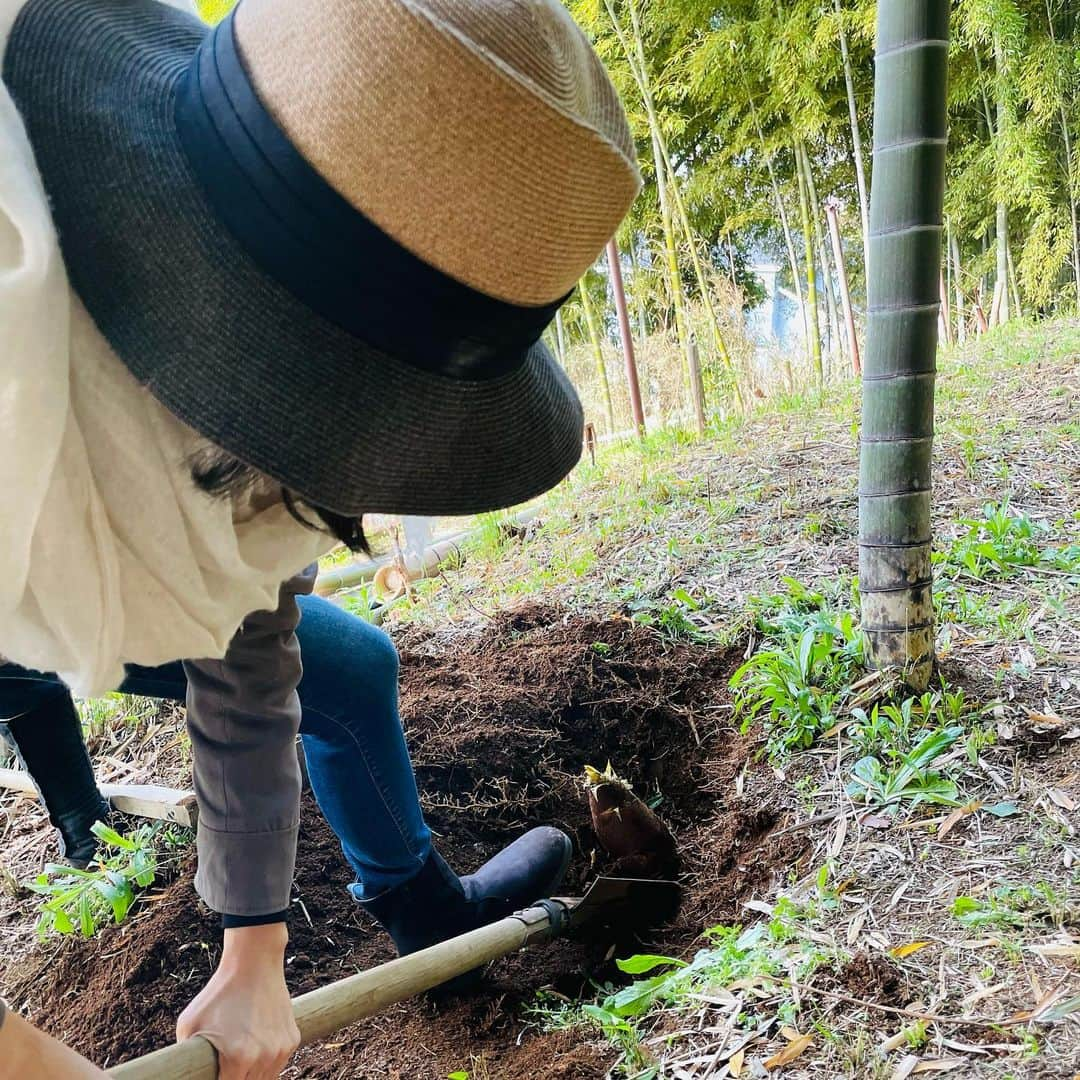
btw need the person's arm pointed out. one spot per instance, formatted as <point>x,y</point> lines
<point>243,716</point>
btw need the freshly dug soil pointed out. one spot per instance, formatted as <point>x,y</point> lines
<point>500,727</point>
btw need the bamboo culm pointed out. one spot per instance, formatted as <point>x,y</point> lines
<point>906,205</point>
<point>598,352</point>
<point>814,342</point>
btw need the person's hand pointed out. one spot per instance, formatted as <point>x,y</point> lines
<point>244,1010</point>
<point>29,1054</point>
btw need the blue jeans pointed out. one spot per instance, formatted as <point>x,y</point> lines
<point>355,748</point>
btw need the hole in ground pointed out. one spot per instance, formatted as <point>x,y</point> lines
<point>500,727</point>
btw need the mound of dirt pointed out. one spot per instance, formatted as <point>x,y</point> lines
<point>500,727</point>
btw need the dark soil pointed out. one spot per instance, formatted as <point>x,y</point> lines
<point>872,977</point>
<point>500,727</point>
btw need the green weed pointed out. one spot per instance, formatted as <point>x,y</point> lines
<point>362,603</point>
<point>1002,543</point>
<point>799,681</point>
<point>1014,906</point>
<point>87,899</point>
<point>910,779</point>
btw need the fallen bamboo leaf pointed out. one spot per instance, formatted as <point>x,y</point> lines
<point>953,819</point>
<point>1064,952</point>
<point>735,1063</point>
<point>838,839</point>
<point>855,927</point>
<point>983,993</point>
<point>1044,719</point>
<point>1002,809</point>
<point>1066,802</point>
<point>877,821</point>
<point>789,1033</point>
<point>907,950</point>
<point>905,1068</point>
<point>1060,1010</point>
<point>938,1065</point>
<point>789,1053</point>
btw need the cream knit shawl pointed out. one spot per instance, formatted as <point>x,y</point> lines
<point>108,553</point>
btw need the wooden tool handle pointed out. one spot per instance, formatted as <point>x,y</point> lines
<point>330,1008</point>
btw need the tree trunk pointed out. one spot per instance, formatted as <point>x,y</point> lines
<point>823,254</point>
<point>1017,308</point>
<point>945,327</point>
<point>1002,213</point>
<point>639,293</point>
<point>845,293</point>
<point>898,379</point>
<point>961,327</point>
<point>789,241</point>
<point>598,353</point>
<point>639,67</point>
<point>856,143</point>
<point>1070,188</point>
<point>813,327</point>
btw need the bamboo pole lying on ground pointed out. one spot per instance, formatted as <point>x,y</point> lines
<point>353,574</point>
<point>139,800</point>
<point>322,1012</point>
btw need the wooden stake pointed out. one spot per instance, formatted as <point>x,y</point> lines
<point>627,336</point>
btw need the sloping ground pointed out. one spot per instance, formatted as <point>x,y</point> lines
<point>921,940</point>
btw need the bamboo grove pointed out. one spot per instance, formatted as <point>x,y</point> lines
<point>754,123</point>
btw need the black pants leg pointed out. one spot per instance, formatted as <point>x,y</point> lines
<point>49,742</point>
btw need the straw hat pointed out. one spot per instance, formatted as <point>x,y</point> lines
<point>328,235</point>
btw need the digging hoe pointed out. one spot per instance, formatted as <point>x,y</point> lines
<point>610,905</point>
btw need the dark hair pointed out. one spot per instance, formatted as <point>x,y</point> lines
<point>221,475</point>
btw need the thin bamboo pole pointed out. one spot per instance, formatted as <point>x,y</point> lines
<point>856,142</point>
<point>1002,209</point>
<point>636,58</point>
<point>945,326</point>
<point>845,294</point>
<point>814,344</point>
<point>560,337</point>
<point>823,254</point>
<point>961,325</point>
<point>906,219</point>
<point>627,337</point>
<point>598,352</point>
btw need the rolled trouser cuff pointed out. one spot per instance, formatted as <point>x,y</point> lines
<point>246,874</point>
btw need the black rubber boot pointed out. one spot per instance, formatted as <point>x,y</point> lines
<point>436,904</point>
<point>49,743</point>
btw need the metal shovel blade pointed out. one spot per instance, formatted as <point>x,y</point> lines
<point>623,905</point>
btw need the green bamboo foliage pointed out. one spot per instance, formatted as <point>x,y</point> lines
<point>906,214</point>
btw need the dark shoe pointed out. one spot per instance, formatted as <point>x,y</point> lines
<point>436,904</point>
<point>77,843</point>
<point>49,743</point>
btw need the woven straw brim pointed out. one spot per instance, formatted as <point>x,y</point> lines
<point>221,345</point>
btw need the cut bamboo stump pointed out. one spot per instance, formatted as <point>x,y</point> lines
<point>322,1012</point>
<point>139,800</point>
